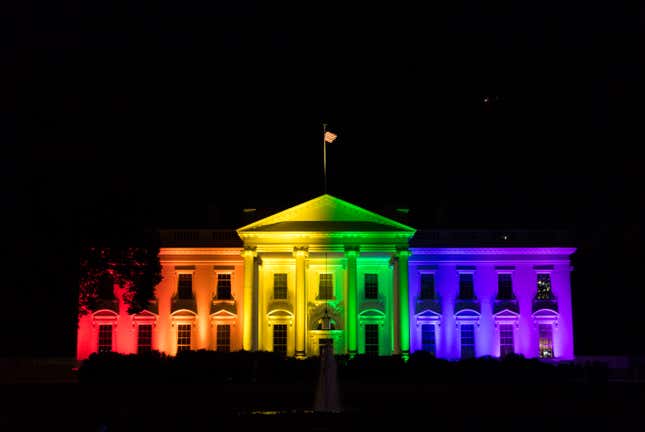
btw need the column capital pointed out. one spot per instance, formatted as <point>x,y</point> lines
<point>301,251</point>
<point>249,251</point>
<point>352,251</point>
<point>402,252</point>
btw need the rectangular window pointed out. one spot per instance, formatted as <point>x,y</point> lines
<point>325,287</point>
<point>105,338</point>
<point>371,286</point>
<point>183,337</point>
<point>467,341</point>
<point>371,339</point>
<point>280,286</point>
<point>224,286</point>
<point>428,340</point>
<point>224,338</point>
<point>427,287</point>
<point>546,340</point>
<point>280,338</point>
<point>144,338</point>
<point>466,290</point>
<point>544,287</point>
<point>504,286</point>
<point>185,288</point>
<point>506,345</point>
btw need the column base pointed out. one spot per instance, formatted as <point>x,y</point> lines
<point>405,355</point>
<point>300,355</point>
<point>352,354</point>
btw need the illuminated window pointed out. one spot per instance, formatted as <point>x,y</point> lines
<point>144,338</point>
<point>224,286</point>
<point>280,338</point>
<point>504,286</point>
<point>105,338</point>
<point>224,338</point>
<point>466,289</point>
<point>371,339</point>
<point>371,286</point>
<point>325,286</point>
<point>546,340</point>
<point>183,337</point>
<point>544,287</point>
<point>280,286</point>
<point>428,338</point>
<point>467,340</point>
<point>185,287</point>
<point>506,345</point>
<point>427,287</point>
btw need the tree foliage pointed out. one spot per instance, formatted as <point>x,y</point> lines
<point>135,269</point>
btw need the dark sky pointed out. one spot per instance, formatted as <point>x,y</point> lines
<point>121,115</point>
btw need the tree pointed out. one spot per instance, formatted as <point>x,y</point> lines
<point>136,269</point>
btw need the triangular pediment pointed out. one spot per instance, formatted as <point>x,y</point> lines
<point>326,214</point>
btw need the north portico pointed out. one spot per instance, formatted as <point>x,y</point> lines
<point>326,270</point>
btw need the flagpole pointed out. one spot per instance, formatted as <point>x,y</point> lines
<point>325,158</point>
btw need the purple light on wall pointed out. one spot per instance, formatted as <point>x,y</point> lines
<point>522,310</point>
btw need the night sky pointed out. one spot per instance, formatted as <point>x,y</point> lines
<point>126,115</point>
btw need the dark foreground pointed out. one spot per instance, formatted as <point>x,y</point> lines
<point>105,407</point>
<point>210,392</point>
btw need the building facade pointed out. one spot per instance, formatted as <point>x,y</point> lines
<point>329,273</point>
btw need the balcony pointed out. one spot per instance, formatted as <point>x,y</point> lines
<point>461,304</point>
<point>433,305</point>
<point>377,304</point>
<point>280,304</point>
<point>551,304</point>
<point>178,303</point>
<point>153,306</point>
<point>228,305</point>
<point>506,304</point>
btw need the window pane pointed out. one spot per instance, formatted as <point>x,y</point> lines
<point>185,289</point>
<point>466,290</point>
<point>280,286</point>
<point>183,337</point>
<point>105,338</point>
<point>280,338</point>
<point>223,286</point>
<point>371,339</point>
<point>427,287</point>
<point>224,338</point>
<point>428,340</point>
<point>504,287</point>
<point>371,286</point>
<point>546,340</point>
<point>144,338</point>
<point>544,287</point>
<point>506,339</point>
<point>467,341</point>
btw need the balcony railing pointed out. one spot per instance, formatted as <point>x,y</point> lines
<point>545,304</point>
<point>461,304</point>
<point>178,303</point>
<point>228,305</point>
<point>503,304</point>
<point>428,304</point>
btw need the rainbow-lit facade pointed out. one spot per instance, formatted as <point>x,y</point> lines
<point>329,272</point>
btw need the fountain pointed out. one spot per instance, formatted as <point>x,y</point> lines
<point>327,398</point>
